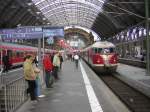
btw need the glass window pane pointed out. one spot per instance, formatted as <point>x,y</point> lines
<point>80,12</point>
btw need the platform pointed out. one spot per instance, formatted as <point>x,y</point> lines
<point>136,77</point>
<point>78,90</point>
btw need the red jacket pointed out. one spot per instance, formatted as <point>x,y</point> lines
<point>48,66</point>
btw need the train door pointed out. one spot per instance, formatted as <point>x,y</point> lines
<point>3,53</point>
<point>9,54</point>
<point>97,56</point>
<point>88,54</point>
<point>92,55</point>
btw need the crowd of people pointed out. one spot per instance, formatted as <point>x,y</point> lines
<point>51,65</point>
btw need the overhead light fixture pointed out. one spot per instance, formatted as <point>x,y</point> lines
<point>30,3</point>
<point>38,12</point>
<point>44,19</point>
<point>13,6</point>
<point>37,17</point>
<point>37,24</point>
<point>29,10</point>
<point>18,25</point>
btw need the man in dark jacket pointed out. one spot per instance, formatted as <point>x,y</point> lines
<point>6,63</point>
<point>61,60</point>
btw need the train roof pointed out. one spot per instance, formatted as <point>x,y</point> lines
<point>100,44</point>
<point>12,46</point>
<point>103,44</point>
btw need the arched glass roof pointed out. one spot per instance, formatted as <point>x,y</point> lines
<point>105,17</point>
<point>70,12</point>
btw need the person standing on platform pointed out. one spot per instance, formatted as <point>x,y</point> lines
<point>35,61</point>
<point>6,63</point>
<point>76,59</point>
<point>30,76</point>
<point>48,67</point>
<point>61,60</point>
<point>37,80</point>
<point>56,64</point>
<point>51,57</point>
<point>72,57</point>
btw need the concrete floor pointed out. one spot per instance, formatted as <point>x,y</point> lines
<point>69,94</point>
<point>136,77</point>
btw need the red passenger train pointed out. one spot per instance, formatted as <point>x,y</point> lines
<point>101,56</point>
<point>17,53</point>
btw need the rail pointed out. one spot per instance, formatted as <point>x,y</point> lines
<point>12,95</point>
<point>10,76</point>
<point>12,91</point>
<point>134,99</point>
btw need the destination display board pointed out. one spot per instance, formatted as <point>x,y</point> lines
<point>50,40</point>
<point>53,31</point>
<point>21,33</point>
<point>31,32</point>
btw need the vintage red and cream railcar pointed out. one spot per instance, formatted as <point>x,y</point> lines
<point>101,56</point>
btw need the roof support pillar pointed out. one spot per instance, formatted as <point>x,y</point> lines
<point>39,52</point>
<point>147,37</point>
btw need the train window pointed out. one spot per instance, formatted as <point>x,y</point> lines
<point>13,53</point>
<point>0,53</point>
<point>17,54</point>
<point>111,50</point>
<point>108,50</point>
<point>9,52</point>
<point>99,50</point>
<point>94,50</point>
<point>21,54</point>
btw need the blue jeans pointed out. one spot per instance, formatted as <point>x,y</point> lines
<point>37,89</point>
<point>55,72</point>
<point>47,78</point>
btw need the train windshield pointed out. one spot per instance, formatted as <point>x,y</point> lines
<point>104,50</point>
<point>108,50</point>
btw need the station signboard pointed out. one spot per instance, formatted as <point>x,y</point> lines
<point>29,29</point>
<point>53,31</point>
<point>50,40</point>
<point>31,32</point>
<point>21,33</point>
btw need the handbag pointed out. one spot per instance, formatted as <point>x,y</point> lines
<point>36,70</point>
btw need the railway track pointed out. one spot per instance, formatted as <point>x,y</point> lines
<point>134,100</point>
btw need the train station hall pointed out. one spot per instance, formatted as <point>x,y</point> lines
<point>74,55</point>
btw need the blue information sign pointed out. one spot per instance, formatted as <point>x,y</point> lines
<point>50,40</point>
<point>53,31</point>
<point>30,32</point>
<point>22,33</point>
<point>31,29</point>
